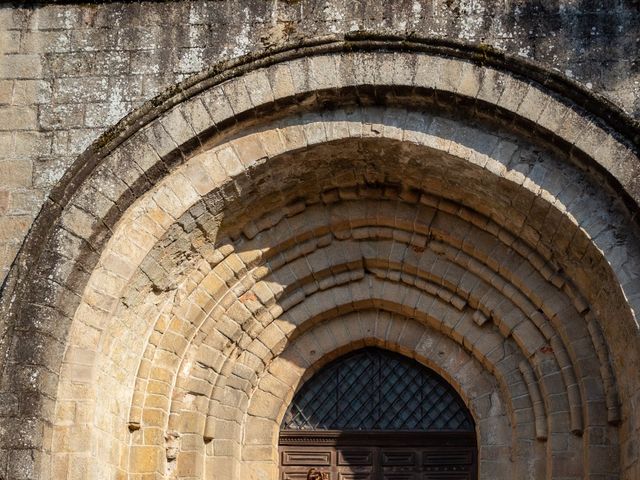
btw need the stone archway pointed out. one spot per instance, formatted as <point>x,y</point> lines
<point>206,248</point>
<point>396,333</point>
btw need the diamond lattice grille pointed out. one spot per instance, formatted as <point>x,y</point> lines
<point>373,389</point>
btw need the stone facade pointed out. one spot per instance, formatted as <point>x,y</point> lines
<point>455,181</point>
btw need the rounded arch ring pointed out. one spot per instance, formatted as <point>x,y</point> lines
<point>111,217</point>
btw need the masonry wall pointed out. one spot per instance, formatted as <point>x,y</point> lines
<point>76,323</point>
<point>70,70</point>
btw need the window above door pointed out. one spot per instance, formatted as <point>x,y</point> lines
<point>374,389</point>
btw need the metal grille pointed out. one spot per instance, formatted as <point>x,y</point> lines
<point>373,389</point>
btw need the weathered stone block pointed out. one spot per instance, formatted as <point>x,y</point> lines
<point>20,66</point>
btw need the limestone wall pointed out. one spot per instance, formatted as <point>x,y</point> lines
<point>480,155</point>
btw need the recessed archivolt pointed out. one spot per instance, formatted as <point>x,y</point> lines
<point>416,256</point>
<point>550,273</point>
<point>545,215</point>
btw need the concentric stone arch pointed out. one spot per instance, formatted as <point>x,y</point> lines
<point>173,272</point>
<point>459,369</point>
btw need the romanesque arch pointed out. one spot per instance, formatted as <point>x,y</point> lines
<point>204,258</point>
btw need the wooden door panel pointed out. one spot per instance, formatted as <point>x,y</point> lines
<point>447,476</point>
<point>355,457</point>
<point>398,457</point>
<point>309,457</point>
<point>439,456</point>
<point>399,476</point>
<point>301,475</point>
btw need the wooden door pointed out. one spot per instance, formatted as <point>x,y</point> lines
<point>377,456</point>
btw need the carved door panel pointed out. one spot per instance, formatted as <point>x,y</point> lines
<point>449,464</point>
<point>334,463</point>
<point>355,463</point>
<point>399,463</point>
<point>296,462</point>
